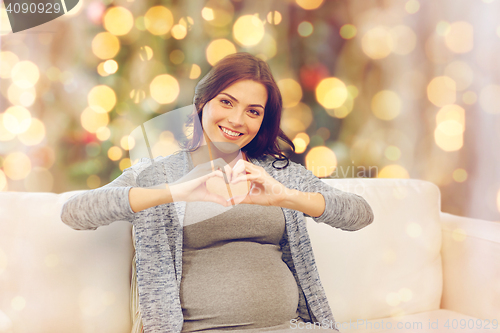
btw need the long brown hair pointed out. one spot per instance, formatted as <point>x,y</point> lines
<point>244,66</point>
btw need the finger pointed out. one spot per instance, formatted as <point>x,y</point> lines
<point>216,173</point>
<point>240,199</point>
<point>217,199</point>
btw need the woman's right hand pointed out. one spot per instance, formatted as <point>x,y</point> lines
<point>192,187</point>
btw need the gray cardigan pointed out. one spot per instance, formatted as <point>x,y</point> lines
<point>158,234</point>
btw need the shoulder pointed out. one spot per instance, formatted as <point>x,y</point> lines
<point>147,165</point>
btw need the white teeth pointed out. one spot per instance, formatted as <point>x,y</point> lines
<point>230,132</point>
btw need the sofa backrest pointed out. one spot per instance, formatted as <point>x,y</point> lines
<point>56,279</point>
<point>391,267</point>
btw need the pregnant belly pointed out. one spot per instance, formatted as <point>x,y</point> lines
<point>239,285</point>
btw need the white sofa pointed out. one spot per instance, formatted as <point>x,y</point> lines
<point>414,269</point>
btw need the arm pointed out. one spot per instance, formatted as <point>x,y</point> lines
<point>297,188</point>
<point>122,198</point>
<point>344,210</point>
<point>116,201</point>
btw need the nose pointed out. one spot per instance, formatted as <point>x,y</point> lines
<point>236,118</point>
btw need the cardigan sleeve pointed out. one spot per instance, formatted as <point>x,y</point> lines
<point>102,206</point>
<point>344,210</point>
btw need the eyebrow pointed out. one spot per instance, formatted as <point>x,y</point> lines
<point>252,105</point>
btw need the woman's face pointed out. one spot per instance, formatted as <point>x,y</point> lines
<point>236,113</point>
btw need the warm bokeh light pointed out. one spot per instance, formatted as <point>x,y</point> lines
<point>100,69</point>
<point>448,135</point>
<point>300,145</point>
<point>392,153</point>
<point>16,119</point>
<point>110,66</point>
<point>296,119</point>
<point>166,145</point>
<point>377,43</point>
<point>25,74</point>
<point>17,165</point>
<point>118,21</point>
<point>125,163</point>
<point>331,93</point>
<point>158,20</point>
<point>321,161</point>
<point>442,91</point>
<point>443,28</point>
<point>274,17</point>
<point>489,99</point>
<point>301,141</point>
<point>248,30</point>
<point>115,153</point>
<point>145,53</point>
<point>393,171</point>
<point>5,135</point>
<point>177,57</point>
<point>102,99</point>
<point>291,92</point>
<point>105,45</point>
<point>305,29</point>
<point>218,13</point>
<point>386,105</point>
<point>93,181</point>
<point>461,73</point>
<point>137,95</point>
<point>7,61</point>
<point>195,72</point>
<point>92,120</point>
<point>404,38</point>
<point>207,14</point>
<point>348,31</point>
<point>218,49</point>
<point>164,89</point>
<point>460,175</point>
<point>19,96</point>
<point>412,6</point>
<point>127,142</point>
<point>309,4</point>
<point>34,134</point>
<point>469,97</point>
<point>454,113</point>
<point>460,38</point>
<point>103,133</point>
<point>178,31</point>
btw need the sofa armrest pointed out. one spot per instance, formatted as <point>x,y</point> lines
<point>471,266</point>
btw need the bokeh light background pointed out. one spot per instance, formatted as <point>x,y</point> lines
<point>393,88</point>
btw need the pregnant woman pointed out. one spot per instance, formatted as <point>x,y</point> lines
<point>205,262</point>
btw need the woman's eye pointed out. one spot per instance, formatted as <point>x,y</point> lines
<point>225,101</point>
<point>255,112</point>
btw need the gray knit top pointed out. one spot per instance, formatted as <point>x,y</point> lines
<point>159,232</point>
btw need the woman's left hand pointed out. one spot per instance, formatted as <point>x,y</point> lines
<point>264,189</point>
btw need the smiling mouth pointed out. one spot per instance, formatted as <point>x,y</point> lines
<point>230,133</point>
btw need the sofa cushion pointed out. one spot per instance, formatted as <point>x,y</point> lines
<point>391,267</point>
<point>56,279</point>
